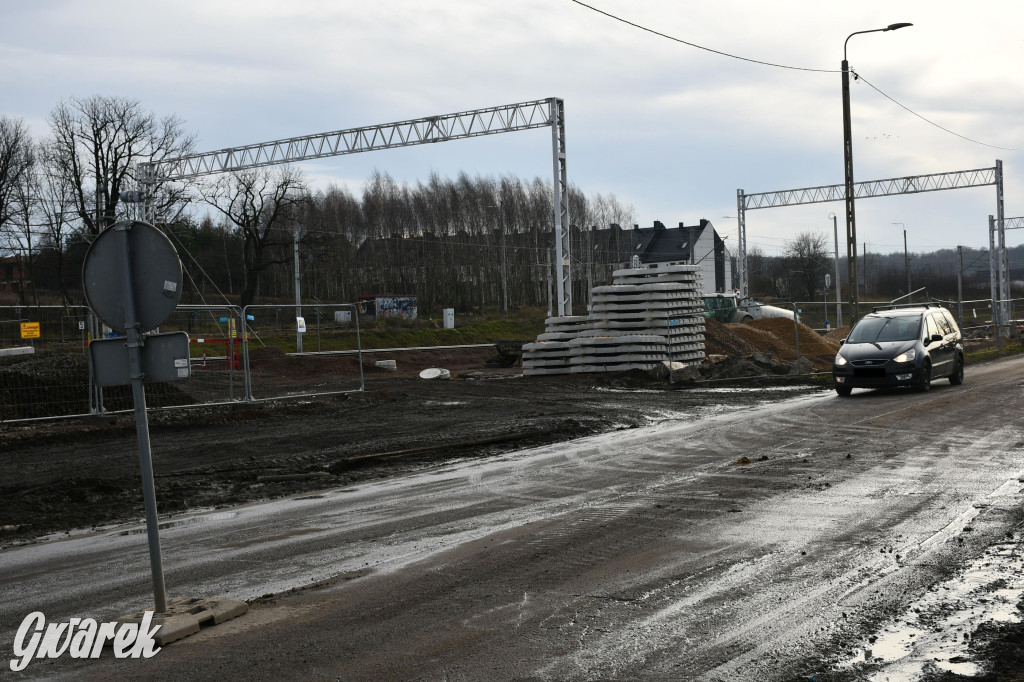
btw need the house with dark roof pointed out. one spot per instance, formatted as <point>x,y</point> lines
<point>699,244</point>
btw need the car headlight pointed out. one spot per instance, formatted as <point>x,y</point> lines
<point>906,356</point>
<point>840,361</point>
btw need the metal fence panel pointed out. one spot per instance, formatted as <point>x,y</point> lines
<point>215,344</point>
<point>43,364</point>
<point>51,379</point>
<point>330,360</point>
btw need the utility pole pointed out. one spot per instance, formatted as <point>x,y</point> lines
<point>839,294</point>
<point>548,271</point>
<point>960,285</point>
<point>864,269</point>
<point>851,222</point>
<point>590,268</point>
<point>996,305</point>
<point>906,263</point>
<point>504,273</point>
<point>298,291</point>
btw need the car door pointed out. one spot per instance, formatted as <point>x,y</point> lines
<point>940,351</point>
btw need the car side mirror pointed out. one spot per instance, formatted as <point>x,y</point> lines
<point>842,341</point>
<point>937,338</point>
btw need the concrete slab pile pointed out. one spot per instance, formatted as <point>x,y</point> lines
<point>647,316</point>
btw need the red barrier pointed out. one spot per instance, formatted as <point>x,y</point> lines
<point>232,345</point>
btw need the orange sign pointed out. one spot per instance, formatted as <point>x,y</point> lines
<point>30,330</point>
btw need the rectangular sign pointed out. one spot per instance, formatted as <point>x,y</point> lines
<point>164,358</point>
<point>30,330</point>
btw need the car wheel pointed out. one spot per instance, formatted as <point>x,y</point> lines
<point>957,377</point>
<point>924,381</point>
<point>843,391</point>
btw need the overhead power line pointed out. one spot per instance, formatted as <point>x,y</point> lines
<point>699,47</point>
<point>794,68</point>
<point>929,121</point>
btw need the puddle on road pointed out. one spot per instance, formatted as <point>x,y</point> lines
<point>180,523</point>
<point>656,416</point>
<point>721,390</point>
<point>938,628</point>
<point>757,389</point>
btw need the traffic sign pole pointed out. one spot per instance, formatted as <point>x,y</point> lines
<point>131,326</point>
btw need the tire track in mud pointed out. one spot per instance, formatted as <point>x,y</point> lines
<point>863,579</point>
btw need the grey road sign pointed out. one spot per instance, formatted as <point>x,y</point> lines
<point>155,277</point>
<point>164,358</point>
<point>132,279</point>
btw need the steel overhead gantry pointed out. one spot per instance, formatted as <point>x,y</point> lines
<point>507,118</point>
<point>911,184</point>
<point>999,272</point>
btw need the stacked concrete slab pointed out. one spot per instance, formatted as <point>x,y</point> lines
<point>646,316</point>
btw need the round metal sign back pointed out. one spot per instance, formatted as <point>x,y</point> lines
<point>155,276</point>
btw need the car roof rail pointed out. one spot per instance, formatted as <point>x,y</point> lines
<point>896,306</point>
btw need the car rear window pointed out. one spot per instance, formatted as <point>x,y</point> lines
<point>872,329</point>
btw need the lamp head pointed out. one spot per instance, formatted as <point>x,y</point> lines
<point>893,27</point>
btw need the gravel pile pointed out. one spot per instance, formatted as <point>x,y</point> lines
<point>774,337</point>
<point>720,340</point>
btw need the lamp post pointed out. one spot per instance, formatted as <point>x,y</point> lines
<point>851,220</point>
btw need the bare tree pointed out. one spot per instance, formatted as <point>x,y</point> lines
<point>809,260</point>
<point>97,143</point>
<point>16,161</point>
<point>262,204</point>
<point>55,211</point>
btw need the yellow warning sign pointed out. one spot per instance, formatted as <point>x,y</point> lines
<point>30,330</point>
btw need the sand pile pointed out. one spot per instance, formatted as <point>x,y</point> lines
<point>839,333</point>
<point>774,336</point>
<point>719,340</point>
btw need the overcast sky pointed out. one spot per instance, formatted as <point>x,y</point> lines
<point>670,129</point>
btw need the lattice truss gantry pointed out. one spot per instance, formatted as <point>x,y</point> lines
<point>911,184</point>
<point>506,118</point>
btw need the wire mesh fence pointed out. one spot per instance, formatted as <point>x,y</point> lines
<point>324,357</point>
<point>975,317</point>
<point>259,353</point>
<point>45,369</point>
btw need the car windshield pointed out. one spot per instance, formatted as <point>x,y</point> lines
<point>874,329</point>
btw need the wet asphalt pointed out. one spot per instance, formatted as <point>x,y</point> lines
<point>761,541</point>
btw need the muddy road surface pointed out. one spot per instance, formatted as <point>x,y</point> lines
<point>783,537</point>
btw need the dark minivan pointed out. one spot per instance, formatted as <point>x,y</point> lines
<point>900,346</point>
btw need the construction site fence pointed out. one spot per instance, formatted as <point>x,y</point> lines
<point>261,353</point>
<point>983,322</point>
<point>974,316</point>
<point>284,357</point>
<point>235,355</point>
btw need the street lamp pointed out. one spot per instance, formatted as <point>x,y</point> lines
<point>851,221</point>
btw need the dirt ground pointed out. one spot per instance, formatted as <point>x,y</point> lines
<point>81,473</point>
<point>76,474</point>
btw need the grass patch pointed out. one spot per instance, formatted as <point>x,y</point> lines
<point>992,352</point>
<point>470,329</point>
